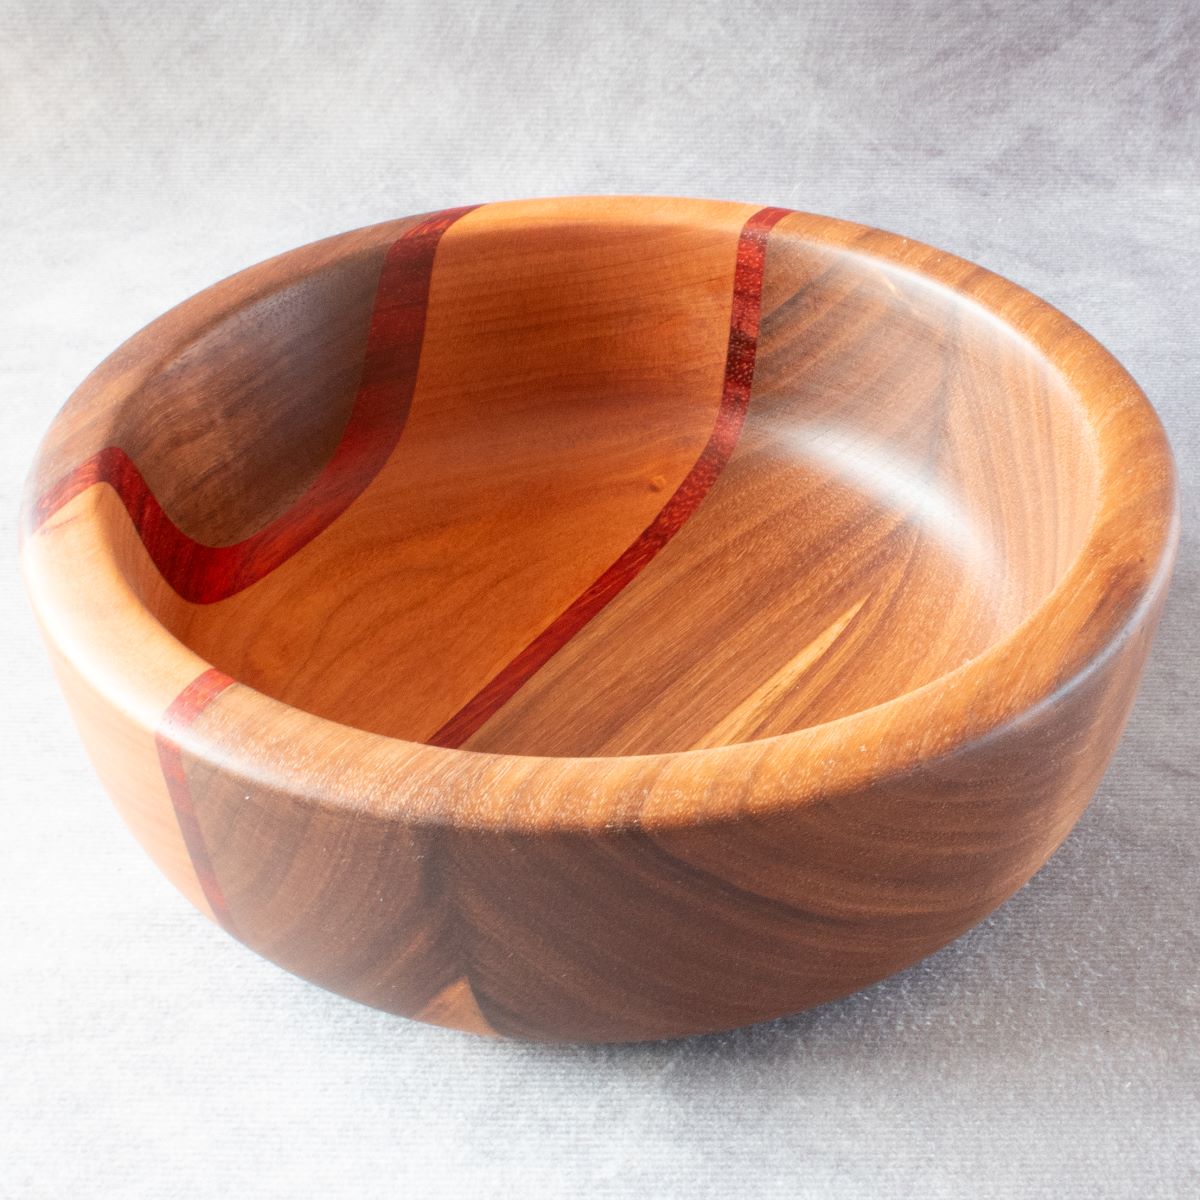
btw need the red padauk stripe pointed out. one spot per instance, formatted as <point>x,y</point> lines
<point>184,709</point>
<point>735,398</point>
<point>204,574</point>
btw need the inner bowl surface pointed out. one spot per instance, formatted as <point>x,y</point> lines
<point>652,481</point>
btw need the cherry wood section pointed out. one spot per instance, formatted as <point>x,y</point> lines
<point>740,356</point>
<point>605,618</point>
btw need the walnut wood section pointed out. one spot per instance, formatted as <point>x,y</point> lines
<point>776,590</point>
<point>205,573</point>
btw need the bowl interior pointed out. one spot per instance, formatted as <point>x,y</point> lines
<point>613,486</point>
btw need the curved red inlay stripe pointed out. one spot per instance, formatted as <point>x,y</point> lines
<point>204,574</point>
<point>184,709</point>
<point>735,398</point>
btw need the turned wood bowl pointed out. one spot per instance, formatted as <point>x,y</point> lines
<point>602,619</point>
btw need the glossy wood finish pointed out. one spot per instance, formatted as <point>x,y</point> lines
<point>604,618</point>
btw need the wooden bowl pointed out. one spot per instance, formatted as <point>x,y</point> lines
<point>602,619</point>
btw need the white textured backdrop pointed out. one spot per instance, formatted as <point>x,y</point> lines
<point>148,149</point>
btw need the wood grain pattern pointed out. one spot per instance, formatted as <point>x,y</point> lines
<point>604,618</point>
<point>687,497</point>
<point>206,573</point>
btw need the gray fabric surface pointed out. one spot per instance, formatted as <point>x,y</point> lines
<point>148,150</point>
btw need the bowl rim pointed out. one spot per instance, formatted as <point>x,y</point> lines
<point>1115,581</point>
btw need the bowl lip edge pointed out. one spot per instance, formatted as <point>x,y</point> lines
<point>637,789</point>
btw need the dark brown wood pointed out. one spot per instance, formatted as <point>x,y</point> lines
<point>604,618</point>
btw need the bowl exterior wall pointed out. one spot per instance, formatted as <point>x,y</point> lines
<point>625,935</point>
